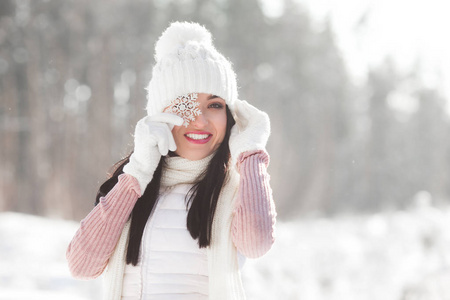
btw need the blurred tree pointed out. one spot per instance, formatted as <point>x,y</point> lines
<point>309,104</point>
<point>377,169</point>
<point>428,150</point>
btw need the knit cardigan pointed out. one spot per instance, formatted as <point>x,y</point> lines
<point>244,220</point>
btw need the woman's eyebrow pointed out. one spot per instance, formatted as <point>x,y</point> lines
<point>213,97</point>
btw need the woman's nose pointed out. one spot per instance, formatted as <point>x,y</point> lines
<point>200,121</point>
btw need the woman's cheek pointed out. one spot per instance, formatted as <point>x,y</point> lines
<point>223,126</point>
<point>176,133</point>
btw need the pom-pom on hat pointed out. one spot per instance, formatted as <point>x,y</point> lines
<point>188,62</point>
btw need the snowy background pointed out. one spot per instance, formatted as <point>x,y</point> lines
<point>388,256</point>
<point>358,92</point>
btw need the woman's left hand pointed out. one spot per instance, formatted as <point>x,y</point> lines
<point>251,131</point>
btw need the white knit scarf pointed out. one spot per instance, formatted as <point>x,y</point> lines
<point>179,170</point>
<point>224,277</point>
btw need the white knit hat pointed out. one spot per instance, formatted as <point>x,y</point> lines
<point>187,62</point>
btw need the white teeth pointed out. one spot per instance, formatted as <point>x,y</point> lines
<point>197,136</point>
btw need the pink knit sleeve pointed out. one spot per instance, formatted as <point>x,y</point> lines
<point>254,219</point>
<point>94,242</point>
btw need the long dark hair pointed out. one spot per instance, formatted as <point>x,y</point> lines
<point>202,197</point>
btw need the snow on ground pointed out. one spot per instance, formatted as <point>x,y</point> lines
<point>395,256</point>
<point>32,260</point>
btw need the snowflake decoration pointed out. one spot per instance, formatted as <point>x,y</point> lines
<point>185,106</point>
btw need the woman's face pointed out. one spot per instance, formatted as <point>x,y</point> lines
<point>205,133</point>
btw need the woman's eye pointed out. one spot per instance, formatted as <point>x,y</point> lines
<point>216,105</point>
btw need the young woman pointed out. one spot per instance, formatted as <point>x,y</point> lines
<point>178,215</point>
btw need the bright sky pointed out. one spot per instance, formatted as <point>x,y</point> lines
<point>403,29</point>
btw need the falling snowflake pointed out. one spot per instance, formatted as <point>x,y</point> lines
<point>185,106</point>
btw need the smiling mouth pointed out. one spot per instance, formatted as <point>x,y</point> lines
<point>198,138</point>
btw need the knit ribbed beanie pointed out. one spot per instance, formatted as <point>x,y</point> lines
<point>188,62</point>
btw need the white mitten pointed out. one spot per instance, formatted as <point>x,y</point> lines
<point>152,138</point>
<point>251,131</point>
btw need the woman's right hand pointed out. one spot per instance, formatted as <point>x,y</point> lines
<point>152,138</point>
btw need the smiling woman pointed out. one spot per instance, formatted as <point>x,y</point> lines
<point>180,214</point>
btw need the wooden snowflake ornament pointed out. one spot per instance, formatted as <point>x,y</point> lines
<point>185,106</point>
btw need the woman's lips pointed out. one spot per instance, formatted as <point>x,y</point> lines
<point>198,137</point>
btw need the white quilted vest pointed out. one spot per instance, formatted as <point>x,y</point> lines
<point>171,265</point>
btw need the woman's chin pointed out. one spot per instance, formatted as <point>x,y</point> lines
<point>196,155</point>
